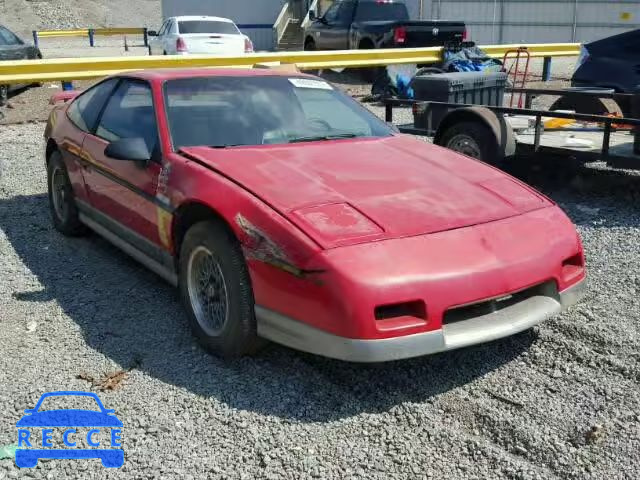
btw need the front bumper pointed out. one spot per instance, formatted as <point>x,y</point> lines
<point>508,321</point>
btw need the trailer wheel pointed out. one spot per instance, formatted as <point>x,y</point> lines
<point>473,139</point>
<point>587,105</point>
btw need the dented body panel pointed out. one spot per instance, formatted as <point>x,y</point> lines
<point>350,240</point>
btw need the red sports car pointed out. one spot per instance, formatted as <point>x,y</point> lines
<point>285,210</point>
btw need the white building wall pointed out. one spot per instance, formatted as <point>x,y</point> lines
<point>539,21</point>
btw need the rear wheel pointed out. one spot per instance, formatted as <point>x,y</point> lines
<point>62,204</point>
<point>473,139</point>
<point>4,94</point>
<point>310,46</point>
<point>215,288</point>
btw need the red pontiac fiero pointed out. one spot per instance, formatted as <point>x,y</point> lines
<point>284,210</point>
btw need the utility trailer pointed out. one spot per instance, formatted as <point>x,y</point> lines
<point>496,134</point>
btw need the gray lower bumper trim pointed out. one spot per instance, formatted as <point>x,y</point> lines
<point>511,320</point>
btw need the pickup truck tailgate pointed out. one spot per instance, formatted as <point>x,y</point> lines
<point>431,34</point>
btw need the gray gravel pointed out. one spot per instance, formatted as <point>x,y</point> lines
<point>561,401</point>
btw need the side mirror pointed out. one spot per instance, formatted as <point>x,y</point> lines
<point>131,149</point>
<point>152,33</point>
<point>312,16</point>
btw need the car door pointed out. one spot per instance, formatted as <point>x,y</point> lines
<point>82,113</point>
<point>155,42</point>
<point>123,192</point>
<point>11,47</point>
<point>170,37</point>
<point>337,23</point>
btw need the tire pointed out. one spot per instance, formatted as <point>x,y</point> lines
<point>588,105</point>
<point>370,74</point>
<point>4,95</point>
<point>228,327</point>
<point>427,71</point>
<point>64,215</point>
<point>310,46</point>
<point>474,139</point>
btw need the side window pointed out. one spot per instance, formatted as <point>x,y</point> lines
<point>163,28</point>
<point>331,15</point>
<point>345,15</point>
<point>130,114</point>
<point>173,28</point>
<point>84,110</point>
<point>8,38</point>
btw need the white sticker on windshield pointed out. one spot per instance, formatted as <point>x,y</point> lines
<point>309,83</point>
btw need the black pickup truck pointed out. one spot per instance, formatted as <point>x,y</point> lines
<point>362,24</point>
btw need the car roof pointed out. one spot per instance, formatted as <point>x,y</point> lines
<point>175,73</point>
<point>206,18</point>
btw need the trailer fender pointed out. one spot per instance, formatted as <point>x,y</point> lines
<point>494,135</point>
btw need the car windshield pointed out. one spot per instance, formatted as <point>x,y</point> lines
<point>377,10</point>
<point>206,26</point>
<point>235,111</point>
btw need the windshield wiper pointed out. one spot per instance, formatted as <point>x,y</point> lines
<point>314,138</point>
<point>226,145</point>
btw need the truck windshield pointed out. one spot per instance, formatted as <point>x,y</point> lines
<point>232,111</point>
<point>376,10</point>
<point>206,26</point>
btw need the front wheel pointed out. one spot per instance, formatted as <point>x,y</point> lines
<point>215,288</point>
<point>62,204</point>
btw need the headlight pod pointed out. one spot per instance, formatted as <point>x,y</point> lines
<point>334,223</point>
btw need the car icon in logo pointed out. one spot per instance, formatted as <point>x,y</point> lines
<point>36,429</point>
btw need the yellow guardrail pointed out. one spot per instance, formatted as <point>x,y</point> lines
<point>83,32</point>
<point>535,49</point>
<point>67,69</point>
<point>119,31</point>
<point>90,33</point>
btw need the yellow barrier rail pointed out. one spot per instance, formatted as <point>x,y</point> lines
<point>90,33</point>
<point>68,69</point>
<point>83,32</point>
<point>119,31</point>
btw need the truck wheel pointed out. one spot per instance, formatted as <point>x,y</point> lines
<point>309,45</point>
<point>215,288</point>
<point>64,212</point>
<point>4,94</point>
<point>473,139</point>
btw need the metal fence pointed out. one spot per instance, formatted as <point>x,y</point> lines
<point>514,21</point>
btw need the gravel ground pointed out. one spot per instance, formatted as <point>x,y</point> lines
<point>559,402</point>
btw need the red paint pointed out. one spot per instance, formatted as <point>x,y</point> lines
<point>376,221</point>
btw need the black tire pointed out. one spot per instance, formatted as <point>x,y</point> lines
<point>4,95</point>
<point>426,71</point>
<point>237,335</point>
<point>587,105</point>
<point>310,46</point>
<point>370,74</point>
<point>481,141</point>
<point>64,216</point>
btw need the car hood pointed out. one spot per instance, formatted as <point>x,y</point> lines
<point>69,418</point>
<point>350,191</point>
